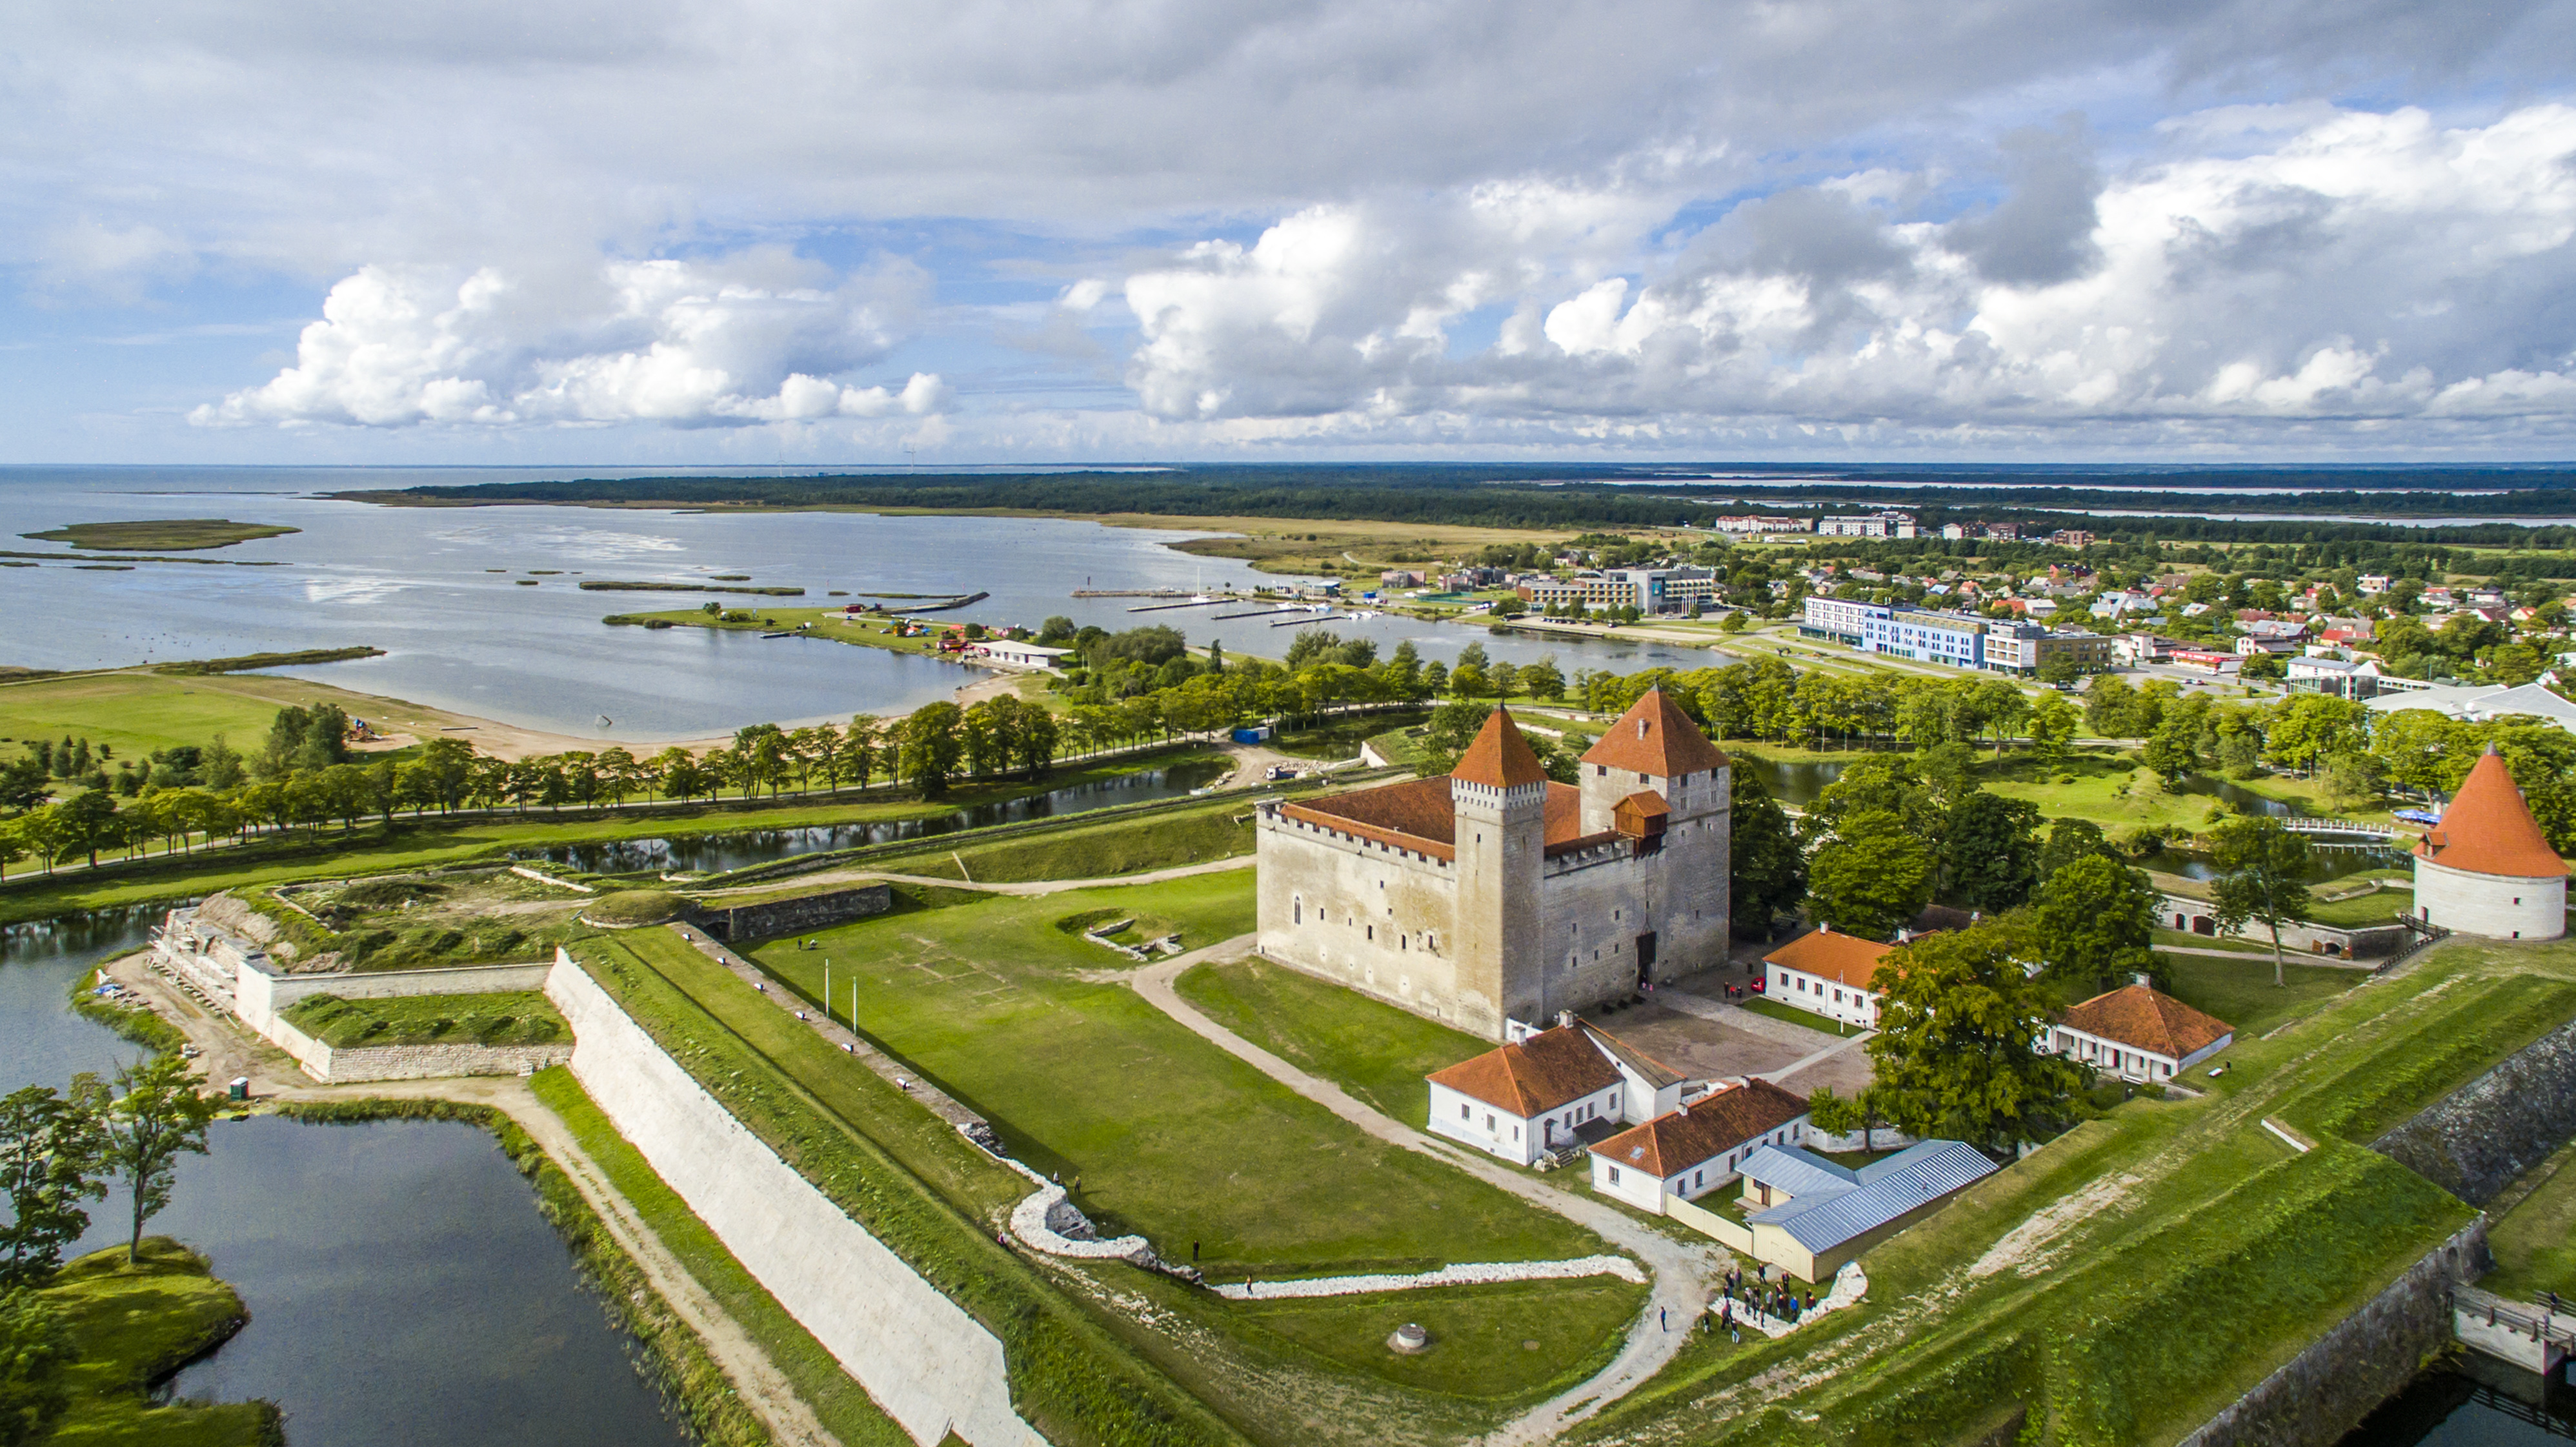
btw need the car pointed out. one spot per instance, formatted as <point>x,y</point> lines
<point>1280,771</point>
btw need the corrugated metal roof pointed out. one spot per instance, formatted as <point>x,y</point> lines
<point>1798,1172</point>
<point>1887,1189</point>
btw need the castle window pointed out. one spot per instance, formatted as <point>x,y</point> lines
<point>1602,771</point>
<point>1296,910</point>
<point>1464,1111</point>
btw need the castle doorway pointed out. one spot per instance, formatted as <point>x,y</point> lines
<point>1645,959</point>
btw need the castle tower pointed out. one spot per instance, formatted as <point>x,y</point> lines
<point>2486,869</point>
<point>1499,795</point>
<point>1654,755</point>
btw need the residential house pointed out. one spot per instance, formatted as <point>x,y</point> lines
<point>2071,538</point>
<point>2372,584</point>
<point>1826,972</point>
<point>1867,525</point>
<point>1810,1216</point>
<point>2137,1032</point>
<point>1020,655</point>
<point>2323,673</point>
<point>1695,1149</point>
<point>1549,1090</point>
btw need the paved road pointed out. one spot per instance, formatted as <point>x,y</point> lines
<point>1681,1274</point>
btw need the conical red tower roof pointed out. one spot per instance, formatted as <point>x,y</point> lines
<point>1499,758</point>
<point>1655,737</point>
<point>2489,830</point>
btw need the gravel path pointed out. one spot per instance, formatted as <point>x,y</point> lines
<point>1027,887</point>
<point>1681,1274</point>
<point>1477,1273</point>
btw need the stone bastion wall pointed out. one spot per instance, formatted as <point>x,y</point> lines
<point>793,916</point>
<point>932,1367</point>
<point>2478,1139</point>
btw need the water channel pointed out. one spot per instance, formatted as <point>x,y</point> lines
<point>744,848</point>
<point>403,1290</point>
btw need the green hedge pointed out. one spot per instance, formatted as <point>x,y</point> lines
<point>1070,1378</point>
<point>675,1361</point>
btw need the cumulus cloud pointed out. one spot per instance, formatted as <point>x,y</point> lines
<point>2353,268</point>
<point>749,338</point>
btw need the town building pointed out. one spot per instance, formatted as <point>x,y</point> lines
<point>1826,972</point>
<point>2071,538</point>
<point>1696,1148</point>
<point>2476,703</point>
<point>1648,590</point>
<point>2342,677</point>
<point>1867,525</point>
<point>1491,894</point>
<point>2023,647</point>
<point>2137,1032</point>
<point>1809,1216</point>
<point>1953,638</point>
<point>1751,523</point>
<point>1550,1090</point>
<point>2486,869</point>
<point>1019,655</point>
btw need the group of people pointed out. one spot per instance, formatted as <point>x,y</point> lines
<point>1763,1296</point>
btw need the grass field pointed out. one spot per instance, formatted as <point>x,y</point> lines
<point>160,535</point>
<point>2081,1281</point>
<point>818,1378</point>
<point>1164,1134</point>
<point>1796,1016</point>
<point>137,713</point>
<point>1126,846</point>
<point>2242,993</point>
<point>1371,1049</point>
<point>2187,940</point>
<point>509,1018</point>
<point>2534,1240</point>
<point>1514,1341</point>
<point>131,1325</point>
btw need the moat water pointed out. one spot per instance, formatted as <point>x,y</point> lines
<point>743,848</point>
<point>403,1290</point>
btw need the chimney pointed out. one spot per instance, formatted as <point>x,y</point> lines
<point>1826,928</point>
<point>1565,1019</point>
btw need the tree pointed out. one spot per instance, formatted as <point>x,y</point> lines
<point>2310,726</point>
<point>49,1164</point>
<point>1767,872</point>
<point>1956,1054</point>
<point>2053,721</point>
<point>1733,622</point>
<point>86,823</point>
<point>34,1349</point>
<point>1543,679</point>
<point>1990,851</point>
<point>155,1117</point>
<point>2262,879</point>
<point>2263,667</point>
<point>1872,876</point>
<point>2351,780</point>
<point>1842,1114</point>
<point>930,747</point>
<point>2059,668</point>
<point>2095,922</point>
<point>2068,841</point>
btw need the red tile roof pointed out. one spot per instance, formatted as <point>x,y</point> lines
<point>2148,1019</point>
<point>1417,815</point>
<point>1704,1129</point>
<point>1655,737</point>
<point>1552,1068</point>
<point>1499,758</point>
<point>1843,958</point>
<point>2489,830</point>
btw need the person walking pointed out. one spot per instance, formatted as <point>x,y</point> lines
<point>1664,1318</point>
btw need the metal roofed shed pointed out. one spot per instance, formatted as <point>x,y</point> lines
<point>1810,1216</point>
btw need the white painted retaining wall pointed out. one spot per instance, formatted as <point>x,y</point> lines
<point>919,1355</point>
<point>410,1062</point>
<point>258,995</point>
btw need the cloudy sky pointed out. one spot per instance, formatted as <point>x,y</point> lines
<point>729,231</point>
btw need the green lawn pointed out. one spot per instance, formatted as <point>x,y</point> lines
<point>1097,851</point>
<point>2187,940</point>
<point>2535,1240</point>
<point>1371,1049</point>
<point>2242,993</point>
<point>818,1377</point>
<point>518,1017</point>
<point>135,713</point>
<point>131,1325</point>
<point>1481,1336</point>
<point>161,535</point>
<point>1165,1134</point>
<point>2380,906</point>
<point>1796,1016</point>
<point>2079,1281</point>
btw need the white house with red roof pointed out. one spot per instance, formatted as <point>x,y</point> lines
<point>1493,894</point>
<point>2137,1032</point>
<point>1696,1147</point>
<point>1827,973</point>
<point>2487,869</point>
<point>1550,1090</point>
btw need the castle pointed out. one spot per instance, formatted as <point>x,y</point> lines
<point>2487,869</point>
<point>1493,895</point>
